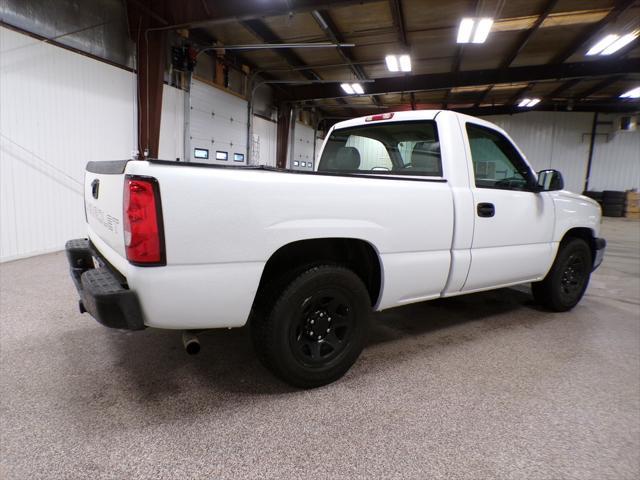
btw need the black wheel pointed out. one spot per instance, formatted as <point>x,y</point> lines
<point>568,278</point>
<point>315,328</point>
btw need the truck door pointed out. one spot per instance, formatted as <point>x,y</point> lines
<point>513,226</point>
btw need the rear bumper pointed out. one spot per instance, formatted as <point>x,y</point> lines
<point>101,292</point>
<point>600,244</point>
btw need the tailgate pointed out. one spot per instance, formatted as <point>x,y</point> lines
<point>103,199</point>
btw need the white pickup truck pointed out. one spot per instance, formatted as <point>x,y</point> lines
<point>402,207</point>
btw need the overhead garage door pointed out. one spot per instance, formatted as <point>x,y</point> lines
<point>301,158</point>
<point>217,126</point>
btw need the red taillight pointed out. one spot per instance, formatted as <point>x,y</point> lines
<point>379,116</point>
<point>142,235</point>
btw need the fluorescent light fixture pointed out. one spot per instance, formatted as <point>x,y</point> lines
<point>478,28</point>
<point>482,30</point>
<point>357,88</point>
<point>465,29</point>
<point>529,102</point>
<point>405,63</point>
<point>620,43</point>
<point>602,44</point>
<point>633,93</point>
<point>347,88</point>
<point>392,63</point>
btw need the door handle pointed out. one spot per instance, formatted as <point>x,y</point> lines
<point>486,210</point>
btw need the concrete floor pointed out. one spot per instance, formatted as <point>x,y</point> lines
<point>483,386</point>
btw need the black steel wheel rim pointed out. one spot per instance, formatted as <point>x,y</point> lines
<point>323,327</point>
<point>573,275</point>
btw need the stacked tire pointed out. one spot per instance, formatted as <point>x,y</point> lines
<point>597,196</point>
<point>613,203</point>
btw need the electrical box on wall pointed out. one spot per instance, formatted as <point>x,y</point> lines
<point>628,123</point>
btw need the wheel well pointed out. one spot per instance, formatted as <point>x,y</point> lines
<point>357,255</point>
<point>585,234</point>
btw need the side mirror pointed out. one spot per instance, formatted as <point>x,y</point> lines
<point>550,180</point>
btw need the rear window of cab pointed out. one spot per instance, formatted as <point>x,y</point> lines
<point>395,148</point>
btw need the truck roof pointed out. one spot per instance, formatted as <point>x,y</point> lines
<point>395,117</point>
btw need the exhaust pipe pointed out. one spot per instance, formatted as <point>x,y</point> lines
<point>191,343</point>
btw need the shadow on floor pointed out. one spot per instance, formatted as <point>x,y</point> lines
<point>150,367</point>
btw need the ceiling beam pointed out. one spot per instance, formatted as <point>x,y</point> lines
<point>326,23</point>
<point>603,106</point>
<point>592,30</point>
<point>264,33</point>
<point>519,94</point>
<point>562,88</point>
<point>398,21</point>
<point>527,34</point>
<point>619,107</point>
<point>260,30</point>
<point>519,46</point>
<point>457,58</point>
<point>483,95</point>
<point>599,86</point>
<point>440,81</point>
<point>188,14</point>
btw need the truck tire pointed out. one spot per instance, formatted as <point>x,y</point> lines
<point>568,278</point>
<point>314,328</point>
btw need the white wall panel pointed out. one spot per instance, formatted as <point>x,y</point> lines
<point>218,123</point>
<point>616,160</point>
<point>58,111</point>
<point>172,124</point>
<point>263,147</point>
<point>552,140</point>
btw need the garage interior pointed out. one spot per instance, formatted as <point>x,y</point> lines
<point>488,385</point>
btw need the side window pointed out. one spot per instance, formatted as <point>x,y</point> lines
<point>496,162</point>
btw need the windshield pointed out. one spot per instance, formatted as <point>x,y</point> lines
<point>398,148</point>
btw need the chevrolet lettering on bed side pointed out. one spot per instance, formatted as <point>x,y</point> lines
<point>108,221</point>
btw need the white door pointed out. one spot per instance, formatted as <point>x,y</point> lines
<point>513,226</point>
<point>217,126</point>
<point>303,141</point>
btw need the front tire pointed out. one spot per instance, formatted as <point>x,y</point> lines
<point>315,327</point>
<point>566,282</point>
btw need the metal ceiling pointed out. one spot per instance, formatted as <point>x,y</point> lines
<point>538,43</point>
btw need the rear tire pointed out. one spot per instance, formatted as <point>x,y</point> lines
<point>566,282</point>
<point>312,330</point>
